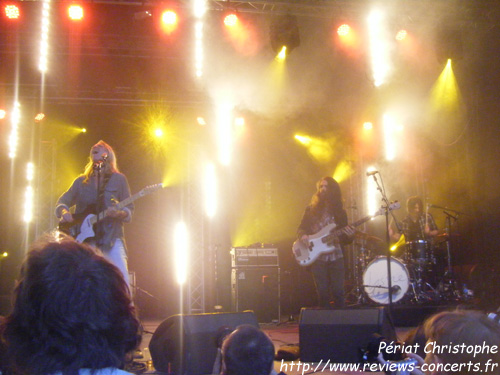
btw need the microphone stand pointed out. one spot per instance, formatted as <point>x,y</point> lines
<point>387,236</point>
<point>98,168</point>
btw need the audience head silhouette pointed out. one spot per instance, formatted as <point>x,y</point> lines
<point>71,311</point>
<point>247,351</point>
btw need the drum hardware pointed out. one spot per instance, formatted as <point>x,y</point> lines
<point>360,262</point>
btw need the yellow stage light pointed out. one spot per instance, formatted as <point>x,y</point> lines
<point>343,30</point>
<point>230,20</point>
<point>368,126</point>
<point>401,35</point>
<point>305,140</point>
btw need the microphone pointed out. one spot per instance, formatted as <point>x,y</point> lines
<point>104,157</point>
<point>395,289</point>
<point>98,164</point>
<point>371,173</point>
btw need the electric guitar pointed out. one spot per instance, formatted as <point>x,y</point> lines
<point>82,226</point>
<point>323,242</point>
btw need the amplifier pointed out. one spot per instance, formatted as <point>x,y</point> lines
<point>254,257</point>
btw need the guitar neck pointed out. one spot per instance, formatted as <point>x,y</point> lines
<point>118,206</point>
<point>357,223</point>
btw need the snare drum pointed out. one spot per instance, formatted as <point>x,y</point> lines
<point>375,280</point>
<point>418,251</point>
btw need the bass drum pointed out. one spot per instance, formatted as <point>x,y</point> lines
<point>375,280</point>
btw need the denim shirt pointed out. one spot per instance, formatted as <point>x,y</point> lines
<point>82,195</point>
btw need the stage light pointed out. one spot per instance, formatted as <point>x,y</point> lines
<point>343,30</point>
<point>14,132</point>
<point>83,130</point>
<point>181,250</point>
<point>44,37</point>
<point>305,140</point>
<point>282,54</point>
<point>30,171</point>
<point>5,254</point>
<point>12,11</point>
<point>284,32</point>
<point>239,121</point>
<point>368,126</point>
<point>371,193</point>
<point>201,121</point>
<point>401,35</point>
<point>28,204</point>
<point>231,20</point>
<point>3,114</point>
<point>39,117</point>
<point>380,48</point>
<point>75,12</point>
<point>169,21</point>
<point>210,186</point>
<point>158,133</point>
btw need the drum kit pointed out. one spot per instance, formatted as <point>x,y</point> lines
<point>420,272</point>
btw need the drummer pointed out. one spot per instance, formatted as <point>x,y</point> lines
<point>418,225</point>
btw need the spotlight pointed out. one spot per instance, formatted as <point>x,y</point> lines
<point>343,30</point>
<point>75,12</point>
<point>231,20</point>
<point>3,114</point>
<point>284,32</point>
<point>169,21</point>
<point>401,35</point>
<point>39,117</point>
<point>12,11</point>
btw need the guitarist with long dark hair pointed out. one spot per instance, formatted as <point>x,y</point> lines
<point>326,207</point>
<point>98,190</point>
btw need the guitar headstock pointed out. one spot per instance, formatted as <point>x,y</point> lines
<point>393,206</point>
<point>151,189</point>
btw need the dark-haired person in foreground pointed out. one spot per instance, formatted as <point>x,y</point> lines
<point>247,351</point>
<point>453,338</point>
<point>72,314</point>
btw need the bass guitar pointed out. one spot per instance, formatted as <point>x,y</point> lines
<point>323,242</point>
<point>82,226</point>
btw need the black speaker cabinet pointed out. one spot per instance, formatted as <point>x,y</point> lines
<point>186,344</point>
<point>340,335</point>
<point>257,289</point>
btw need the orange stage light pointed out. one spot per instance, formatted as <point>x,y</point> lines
<point>12,11</point>
<point>75,12</point>
<point>169,21</point>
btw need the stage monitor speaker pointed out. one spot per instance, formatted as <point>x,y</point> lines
<point>257,289</point>
<point>186,344</point>
<point>340,335</point>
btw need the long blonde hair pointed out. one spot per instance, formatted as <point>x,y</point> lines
<point>110,166</point>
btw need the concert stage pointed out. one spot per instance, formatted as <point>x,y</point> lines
<point>340,334</point>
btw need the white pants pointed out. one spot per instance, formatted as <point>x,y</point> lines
<point>118,256</point>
